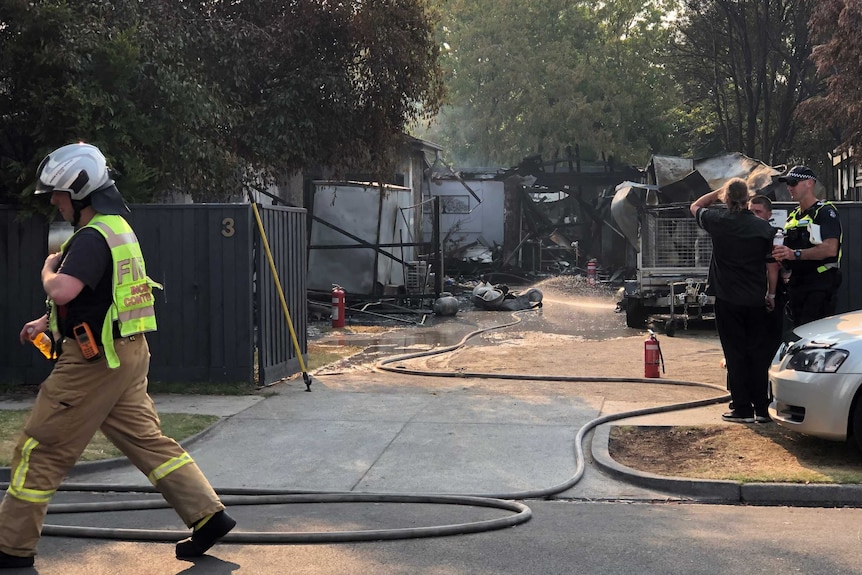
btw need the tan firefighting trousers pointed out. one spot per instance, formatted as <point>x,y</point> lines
<point>77,399</point>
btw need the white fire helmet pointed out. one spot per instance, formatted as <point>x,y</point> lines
<point>82,171</point>
<point>79,169</point>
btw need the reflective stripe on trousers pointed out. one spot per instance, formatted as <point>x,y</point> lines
<point>19,477</point>
<point>169,467</point>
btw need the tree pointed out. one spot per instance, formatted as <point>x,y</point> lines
<point>536,76</point>
<point>744,67</point>
<point>834,27</point>
<point>209,96</point>
<point>318,83</point>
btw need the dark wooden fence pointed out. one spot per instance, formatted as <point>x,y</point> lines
<point>218,319</point>
<point>23,248</point>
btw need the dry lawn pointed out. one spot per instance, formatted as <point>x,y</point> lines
<point>747,453</point>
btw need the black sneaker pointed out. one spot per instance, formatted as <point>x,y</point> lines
<point>736,417</point>
<point>206,536</point>
<point>763,418</point>
<point>14,562</point>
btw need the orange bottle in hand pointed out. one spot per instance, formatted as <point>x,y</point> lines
<point>43,343</point>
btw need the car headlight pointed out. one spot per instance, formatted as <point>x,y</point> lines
<point>818,360</point>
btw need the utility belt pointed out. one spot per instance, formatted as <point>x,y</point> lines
<point>832,266</point>
<point>806,268</point>
<point>68,330</point>
<point>827,276</point>
<point>91,346</point>
<point>826,269</point>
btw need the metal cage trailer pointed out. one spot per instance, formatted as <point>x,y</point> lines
<point>673,264</point>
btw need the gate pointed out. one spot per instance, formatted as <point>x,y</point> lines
<point>285,231</point>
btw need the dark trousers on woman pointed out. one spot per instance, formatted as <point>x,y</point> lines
<point>742,331</point>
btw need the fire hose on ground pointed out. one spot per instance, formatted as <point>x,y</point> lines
<point>506,501</point>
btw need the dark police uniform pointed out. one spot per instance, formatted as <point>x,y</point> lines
<point>813,283</point>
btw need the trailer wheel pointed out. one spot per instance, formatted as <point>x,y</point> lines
<point>636,313</point>
<point>670,329</point>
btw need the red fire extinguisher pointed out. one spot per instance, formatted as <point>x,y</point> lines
<point>652,356</point>
<point>591,273</point>
<point>337,306</point>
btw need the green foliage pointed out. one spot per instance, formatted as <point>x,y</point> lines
<point>630,78</point>
<point>744,67</point>
<point>537,76</point>
<point>207,97</point>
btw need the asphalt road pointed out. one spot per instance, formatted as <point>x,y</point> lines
<point>562,538</point>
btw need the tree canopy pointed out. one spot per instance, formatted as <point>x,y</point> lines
<point>744,67</point>
<point>208,96</point>
<point>536,76</point>
<point>835,26</point>
<point>631,78</point>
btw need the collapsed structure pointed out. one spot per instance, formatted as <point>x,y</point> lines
<point>561,216</point>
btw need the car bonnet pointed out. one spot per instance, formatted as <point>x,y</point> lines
<point>833,329</point>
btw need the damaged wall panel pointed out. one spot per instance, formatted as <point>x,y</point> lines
<point>470,228</point>
<point>354,229</point>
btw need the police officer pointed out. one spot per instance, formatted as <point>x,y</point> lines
<point>99,306</point>
<point>811,250</point>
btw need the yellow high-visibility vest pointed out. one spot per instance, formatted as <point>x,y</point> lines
<point>799,228</point>
<point>133,304</point>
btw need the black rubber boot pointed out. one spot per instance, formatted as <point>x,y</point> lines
<point>202,539</point>
<point>14,562</point>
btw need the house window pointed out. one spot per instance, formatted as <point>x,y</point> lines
<point>455,204</point>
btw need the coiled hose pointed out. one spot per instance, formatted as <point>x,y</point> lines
<point>506,501</point>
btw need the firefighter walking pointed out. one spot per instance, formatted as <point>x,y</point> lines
<point>100,304</point>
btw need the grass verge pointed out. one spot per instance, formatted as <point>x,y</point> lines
<point>179,426</point>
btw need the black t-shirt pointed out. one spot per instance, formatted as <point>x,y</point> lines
<point>740,244</point>
<point>88,259</point>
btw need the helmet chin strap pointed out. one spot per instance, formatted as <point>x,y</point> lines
<point>77,206</point>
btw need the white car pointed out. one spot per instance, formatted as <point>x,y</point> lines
<point>815,381</point>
